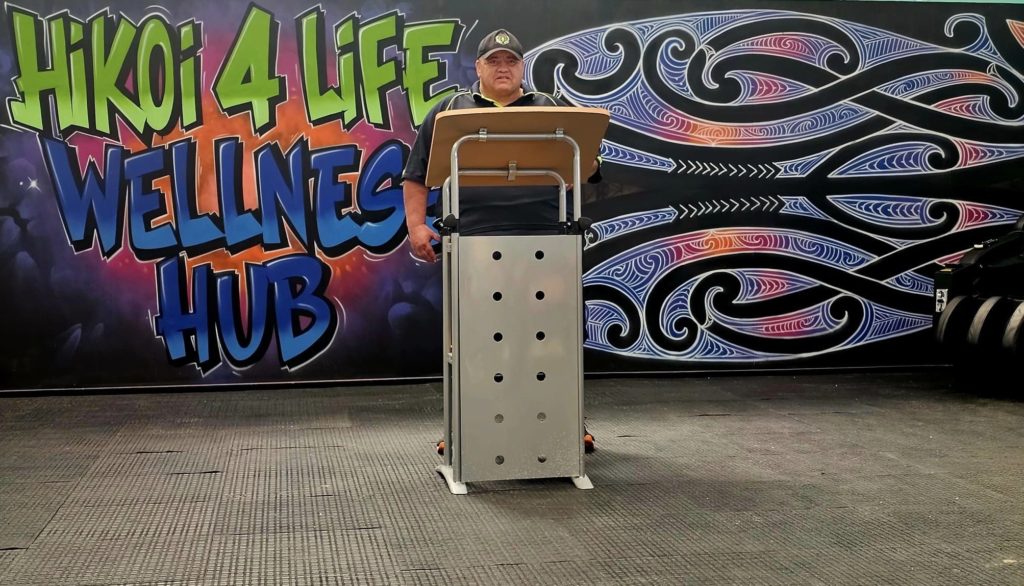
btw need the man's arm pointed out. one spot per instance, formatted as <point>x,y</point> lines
<point>420,235</point>
<point>415,192</point>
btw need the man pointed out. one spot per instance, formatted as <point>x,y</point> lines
<point>499,67</point>
<point>518,210</point>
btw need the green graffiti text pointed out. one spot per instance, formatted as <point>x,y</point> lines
<point>368,56</point>
<point>104,69</point>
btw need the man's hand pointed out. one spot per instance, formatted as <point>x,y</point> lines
<point>420,237</point>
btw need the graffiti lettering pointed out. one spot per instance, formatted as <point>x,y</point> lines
<point>93,203</point>
<point>148,74</point>
<point>145,74</point>
<point>364,74</point>
<point>247,81</point>
<point>285,301</point>
<point>156,190</point>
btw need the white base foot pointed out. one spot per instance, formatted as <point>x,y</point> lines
<point>582,482</point>
<point>449,477</point>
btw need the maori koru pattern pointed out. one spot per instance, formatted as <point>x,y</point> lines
<point>757,78</point>
<point>743,294</point>
<point>816,134</point>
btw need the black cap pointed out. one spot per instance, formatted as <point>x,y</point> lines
<point>499,40</point>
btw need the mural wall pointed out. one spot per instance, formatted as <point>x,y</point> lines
<point>210,193</point>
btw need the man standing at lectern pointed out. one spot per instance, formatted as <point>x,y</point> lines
<point>499,67</point>
<point>518,210</point>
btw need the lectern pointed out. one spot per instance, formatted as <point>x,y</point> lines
<point>513,307</point>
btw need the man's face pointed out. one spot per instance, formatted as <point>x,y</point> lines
<point>500,73</point>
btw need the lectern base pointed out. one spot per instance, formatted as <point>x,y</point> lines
<point>449,477</point>
<point>581,482</point>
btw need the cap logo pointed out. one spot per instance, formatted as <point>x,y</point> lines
<point>502,38</point>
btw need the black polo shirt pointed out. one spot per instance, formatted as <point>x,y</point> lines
<point>492,210</point>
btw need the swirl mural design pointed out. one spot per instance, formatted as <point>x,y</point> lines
<point>196,194</point>
<point>797,172</point>
<point>756,78</point>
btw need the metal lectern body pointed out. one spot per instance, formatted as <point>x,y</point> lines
<point>513,308</point>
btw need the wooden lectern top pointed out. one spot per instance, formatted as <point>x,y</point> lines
<point>585,125</point>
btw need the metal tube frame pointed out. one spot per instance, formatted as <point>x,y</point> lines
<point>451,204</point>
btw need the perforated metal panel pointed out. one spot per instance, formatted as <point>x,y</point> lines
<point>519,329</point>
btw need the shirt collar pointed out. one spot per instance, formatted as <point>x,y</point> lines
<point>481,98</point>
